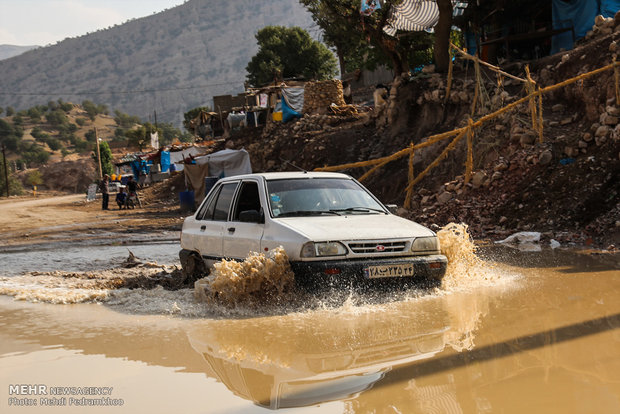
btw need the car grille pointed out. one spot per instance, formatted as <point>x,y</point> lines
<point>378,247</point>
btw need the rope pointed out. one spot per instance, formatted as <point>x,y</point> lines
<point>441,156</point>
<point>537,122</point>
<point>495,68</point>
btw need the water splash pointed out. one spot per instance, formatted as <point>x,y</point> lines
<point>259,278</point>
<point>465,268</point>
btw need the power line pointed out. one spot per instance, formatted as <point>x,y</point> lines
<point>136,91</point>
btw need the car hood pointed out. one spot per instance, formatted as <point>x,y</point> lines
<point>355,227</point>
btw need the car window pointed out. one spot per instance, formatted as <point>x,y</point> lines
<point>320,196</point>
<point>248,199</point>
<point>222,205</point>
<point>206,211</point>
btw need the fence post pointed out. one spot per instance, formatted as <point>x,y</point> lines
<point>617,78</point>
<point>410,177</point>
<point>478,80</point>
<point>540,117</point>
<point>469,164</point>
<point>531,91</point>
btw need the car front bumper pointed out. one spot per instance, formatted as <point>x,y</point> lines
<point>427,271</point>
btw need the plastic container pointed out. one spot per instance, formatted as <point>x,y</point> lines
<point>186,199</point>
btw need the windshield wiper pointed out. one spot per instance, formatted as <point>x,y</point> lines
<point>307,213</point>
<point>359,209</point>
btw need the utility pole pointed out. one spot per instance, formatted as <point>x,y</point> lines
<point>98,154</point>
<point>6,171</point>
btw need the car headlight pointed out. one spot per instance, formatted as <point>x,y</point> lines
<point>311,249</point>
<point>425,244</point>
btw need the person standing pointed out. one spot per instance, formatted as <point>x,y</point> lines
<point>105,192</point>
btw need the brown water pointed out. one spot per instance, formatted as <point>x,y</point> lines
<point>517,332</point>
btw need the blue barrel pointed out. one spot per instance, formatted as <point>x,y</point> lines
<point>187,200</point>
<point>209,183</point>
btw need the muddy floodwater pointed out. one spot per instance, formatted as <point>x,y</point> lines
<point>524,332</point>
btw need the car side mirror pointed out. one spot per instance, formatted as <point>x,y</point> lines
<point>251,216</point>
<point>392,208</point>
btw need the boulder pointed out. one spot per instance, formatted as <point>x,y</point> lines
<point>545,157</point>
<point>478,179</point>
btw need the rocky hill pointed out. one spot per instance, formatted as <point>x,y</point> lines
<point>169,62</point>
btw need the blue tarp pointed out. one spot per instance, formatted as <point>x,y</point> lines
<point>165,161</point>
<point>580,15</point>
<point>139,166</point>
<point>288,113</point>
<point>609,8</point>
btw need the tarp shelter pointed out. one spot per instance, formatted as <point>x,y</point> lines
<point>227,163</point>
<point>220,164</point>
<point>292,103</point>
<point>195,179</point>
<point>578,14</point>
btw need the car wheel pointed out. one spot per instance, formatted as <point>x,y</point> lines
<point>193,267</point>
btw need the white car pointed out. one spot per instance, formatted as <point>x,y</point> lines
<point>332,228</point>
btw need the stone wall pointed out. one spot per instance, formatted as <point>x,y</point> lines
<point>318,96</point>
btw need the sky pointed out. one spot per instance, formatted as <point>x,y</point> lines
<point>45,22</point>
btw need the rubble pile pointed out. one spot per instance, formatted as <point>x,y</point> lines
<point>72,176</point>
<point>320,95</point>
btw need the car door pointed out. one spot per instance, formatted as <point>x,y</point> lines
<point>212,220</point>
<point>241,238</point>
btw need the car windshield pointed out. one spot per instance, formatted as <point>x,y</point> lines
<point>320,197</point>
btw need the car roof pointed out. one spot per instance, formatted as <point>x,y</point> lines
<point>288,175</point>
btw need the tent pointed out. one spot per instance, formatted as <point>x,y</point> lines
<point>220,164</point>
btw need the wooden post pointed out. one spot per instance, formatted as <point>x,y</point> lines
<point>6,171</point>
<point>98,155</point>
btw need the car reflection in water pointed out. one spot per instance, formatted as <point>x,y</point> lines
<point>305,359</point>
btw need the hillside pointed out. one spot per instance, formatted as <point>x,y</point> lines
<point>169,62</point>
<point>8,51</point>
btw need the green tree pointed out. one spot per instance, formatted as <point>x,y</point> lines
<point>10,111</point>
<point>10,135</point>
<point>57,118</point>
<point>124,120</point>
<point>35,114</point>
<point>289,52</point>
<point>90,135</point>
<point>106,158</point>
<point>15,187</point>
<point>138,137</point>
<point>34,178</point>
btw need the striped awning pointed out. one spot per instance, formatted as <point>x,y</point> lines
<point>416,15</point>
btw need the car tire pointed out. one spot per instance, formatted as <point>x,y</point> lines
<point>192,265</point>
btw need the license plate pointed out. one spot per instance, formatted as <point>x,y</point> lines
<point>390,270</point>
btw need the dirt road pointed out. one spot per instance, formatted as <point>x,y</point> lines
<point>51,216</point>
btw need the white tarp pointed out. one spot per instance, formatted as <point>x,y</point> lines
<point>294,97</point>
<point>227,162</point>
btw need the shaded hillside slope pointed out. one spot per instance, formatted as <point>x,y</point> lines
<point>179,59</point>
